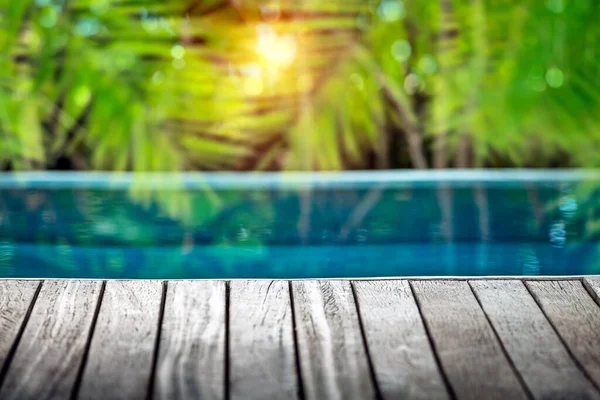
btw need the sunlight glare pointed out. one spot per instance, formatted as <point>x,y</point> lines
<point>278,51</point>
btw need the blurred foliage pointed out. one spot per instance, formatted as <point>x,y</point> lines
<point>148,85</point>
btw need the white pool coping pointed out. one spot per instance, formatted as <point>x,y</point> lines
<point>375,278</point>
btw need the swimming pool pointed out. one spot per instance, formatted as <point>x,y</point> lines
<point>299,225</point>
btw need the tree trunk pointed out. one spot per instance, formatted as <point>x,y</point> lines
<point>411,131</point>
<point>440,151</point>
<point>463,153</point>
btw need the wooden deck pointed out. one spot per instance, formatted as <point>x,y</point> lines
<point>331,339</point>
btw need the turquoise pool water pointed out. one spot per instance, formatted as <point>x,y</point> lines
<point>300,225</point>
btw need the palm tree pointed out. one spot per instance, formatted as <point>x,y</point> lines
<point>152,85</point>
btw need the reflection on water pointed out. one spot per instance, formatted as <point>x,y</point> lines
<point>476,229</point>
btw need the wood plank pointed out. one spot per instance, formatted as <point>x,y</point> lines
<point>50,352</point>
<point>333,359</point>
<point>404,364</point>
<point>191,361</point>
<point>592,284</point>
<point>576,318</point>
<point>467,347</point>
<point>15,302</point>
<point>120,358</point>
<point>531,342</point>
<point>261,341</point>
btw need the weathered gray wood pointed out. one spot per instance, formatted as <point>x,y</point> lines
<point>592,285</point>
<point>332,355</point>
<point>261,341</point>
<point>191,361</point>
<point>468,349</point>
<point>50,352</point>
<point>530,341</point>
<point>120,358</point>
<point>15,301</point>
<point>333,360</point>
<point>402,358</point>
<point>576,318</point>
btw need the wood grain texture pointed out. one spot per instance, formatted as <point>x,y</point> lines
<point>576,317</point>
<point>261,341</point>
<point>333,359</point>
<point>191,361</point>
<point>50,352</point>
<point>531,342</point>
<point>15,301</point>
<point>467,347</point>
<point>120,358</point>
<point>552,339</point>
<point>592,284</point>
<point>404,364</point>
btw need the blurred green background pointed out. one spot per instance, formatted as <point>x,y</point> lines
<point>170,85</point>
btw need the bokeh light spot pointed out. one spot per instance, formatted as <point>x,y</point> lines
<point>178,51</point>
<point>82,95</point>
<point>158,78</point>
<point>412,82</point>
<point>150,23</point>
<point>391,10</point>
<point>178,63</point>
<point>87,27</point>
<point>555,77</point>
<point>251,69</point>
<point>401,50</point>
<point>427,64</point>
<point>536,80</point>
